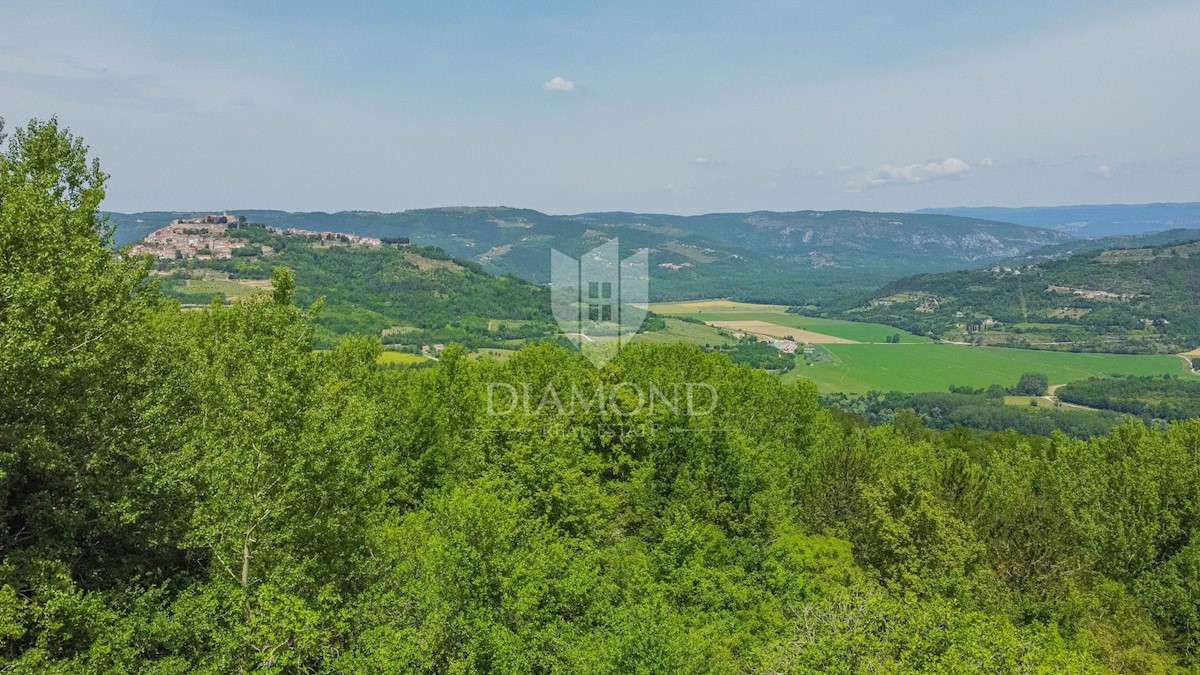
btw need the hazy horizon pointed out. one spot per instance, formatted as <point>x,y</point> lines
<point>663,213</point>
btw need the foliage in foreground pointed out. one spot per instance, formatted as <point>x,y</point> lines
<point>201,491</point>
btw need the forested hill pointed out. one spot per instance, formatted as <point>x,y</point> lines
<point>805,257</point>
<point>850,238</point>
<point>1116,300</point>
<point>1077,246</point>
<point>414,295</point>
<point>1090,221</point>
<point>200,491</point>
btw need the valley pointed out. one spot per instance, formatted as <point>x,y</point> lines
<point>962,331</point>
<point>860,359</point>
<point>814,258</point>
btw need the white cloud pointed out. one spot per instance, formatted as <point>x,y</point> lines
<point>1103,171</point>
<point>558,83</point>
<point>987,161</point>
<point>707,162</point>
<point>912,173</point>
<point>699,160</point>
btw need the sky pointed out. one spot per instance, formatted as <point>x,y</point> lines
<point>567,107</point>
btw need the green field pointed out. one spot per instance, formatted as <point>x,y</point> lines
<point>491,353</point>
<point>727,311</point>
<point>403,358</point>
<point>934,367</point>
<point>392,358</point>
<point>1023,401</point>
<point>850,330</point>
<point>683,331</point>
<point>712,306</point>
<point>222,286</point>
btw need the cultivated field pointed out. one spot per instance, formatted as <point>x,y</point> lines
<point>712,306</point>
<point>862,360</point>
<point>491,353</point>
<point>774,330</point>
<point>683,331</point>
<point>934,367</point>
<point>229,288</point>
<point>777,315</point>
<point>402,358</point>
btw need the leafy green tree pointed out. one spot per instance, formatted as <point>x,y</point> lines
<point>1032,384</point>
<point>72,335</point>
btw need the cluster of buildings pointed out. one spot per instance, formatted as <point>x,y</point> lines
<point>190,239</point>
<point>207,237</point>
<point>674,266</point>
<point>327,237</point>
<point>1091,294</point>
<point>212,219</point>
<point>784,345</point>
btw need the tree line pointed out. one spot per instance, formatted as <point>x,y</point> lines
<point>1152,398</point>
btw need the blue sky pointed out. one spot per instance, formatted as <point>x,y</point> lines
<point>569,107</point>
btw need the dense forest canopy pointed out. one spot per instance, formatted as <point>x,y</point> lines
<point>202,491</point>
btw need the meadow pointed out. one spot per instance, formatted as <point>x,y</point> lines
<point>492,353</point>
<point>201,291</point>
<point>401,358</point>
<point>935,367</point>
<point>724,310</point>
<point>392,358</point>
<point>917,363</point>
<point>683,331</point>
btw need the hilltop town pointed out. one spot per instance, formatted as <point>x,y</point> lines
<point>216,237</point>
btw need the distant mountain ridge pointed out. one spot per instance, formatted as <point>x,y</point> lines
<point>850,238</point>
<point>803,257</point>
<point>1126,241</point>
<point>1089,221</point>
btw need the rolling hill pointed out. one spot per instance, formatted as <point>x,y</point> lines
<point>407,295</point>
<point>1077,246</point>
<point>802,258</point>
<point>1115,300</point>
